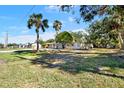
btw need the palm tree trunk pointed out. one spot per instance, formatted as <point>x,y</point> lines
<point>37,41</point>
<point>55,40</point>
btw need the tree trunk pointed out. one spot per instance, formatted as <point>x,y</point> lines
<point>57,32</point>
<point>121,42</point>
<point>37,41</point>
<point>63,45</point>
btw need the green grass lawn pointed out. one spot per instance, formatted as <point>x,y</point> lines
<point>26,69</point>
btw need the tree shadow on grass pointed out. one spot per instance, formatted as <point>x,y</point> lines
<point>76,63</point>
<point>23,51</point>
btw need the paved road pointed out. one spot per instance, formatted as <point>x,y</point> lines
<point>65,50</point>
<point>10,51</point>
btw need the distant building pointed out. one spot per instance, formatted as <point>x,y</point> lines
<point>34,46</point>
<point>76,46</point>
<point>68,46</point>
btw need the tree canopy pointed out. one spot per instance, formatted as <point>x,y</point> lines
<point>57,25</point>
<point>64,38</point>
<point>102,36</point>
<point>111,19</point>
<point>50,41</point>
<point>80,37</point>
<point>37,21</point>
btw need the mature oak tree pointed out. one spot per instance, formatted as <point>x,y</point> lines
<point>112,14</point>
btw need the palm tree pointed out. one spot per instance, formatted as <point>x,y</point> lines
<point>57,25</point>
<point>36,20</point>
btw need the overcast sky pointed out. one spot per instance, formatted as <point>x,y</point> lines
<point>14,20</point>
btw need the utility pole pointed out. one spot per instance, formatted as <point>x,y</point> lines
<point>6,40</point>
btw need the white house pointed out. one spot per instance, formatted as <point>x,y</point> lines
<point>34,46</point>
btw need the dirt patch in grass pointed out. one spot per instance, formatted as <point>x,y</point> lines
<point>2,62</point>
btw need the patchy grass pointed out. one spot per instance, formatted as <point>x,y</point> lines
<point>27,69</point>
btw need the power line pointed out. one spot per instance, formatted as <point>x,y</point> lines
<point>28,12</point>
<point>6,35</point>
